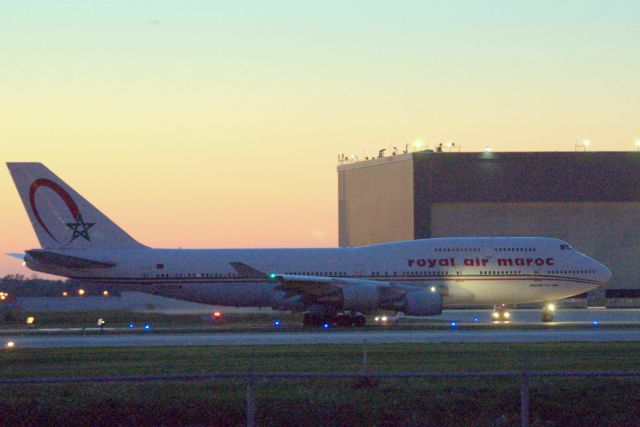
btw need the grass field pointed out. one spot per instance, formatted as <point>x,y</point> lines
<point>323,402</point>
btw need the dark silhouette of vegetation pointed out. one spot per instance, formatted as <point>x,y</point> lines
<point>19,285</point>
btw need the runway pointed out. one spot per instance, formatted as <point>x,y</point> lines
<point>325,337</point>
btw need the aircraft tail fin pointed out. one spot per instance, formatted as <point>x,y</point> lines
<point>62,218</point>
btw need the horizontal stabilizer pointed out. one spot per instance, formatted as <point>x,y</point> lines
<point>16,255</point>
<point>66,261</point>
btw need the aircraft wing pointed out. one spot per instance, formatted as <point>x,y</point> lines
<point>311,285</point>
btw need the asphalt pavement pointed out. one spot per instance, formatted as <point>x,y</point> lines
<point>453,335</point>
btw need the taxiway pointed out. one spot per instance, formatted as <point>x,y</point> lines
<point>325,337</point>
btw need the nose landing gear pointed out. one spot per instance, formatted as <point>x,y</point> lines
<point>500,313</point>
<point>547,312</point>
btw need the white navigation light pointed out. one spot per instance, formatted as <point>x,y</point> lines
<point>11,344</point>
<point>433,289</point>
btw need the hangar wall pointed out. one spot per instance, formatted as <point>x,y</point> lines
<point>590,199</point>
<point>375,201</point>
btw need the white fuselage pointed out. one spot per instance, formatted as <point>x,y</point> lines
<point>467,271</point>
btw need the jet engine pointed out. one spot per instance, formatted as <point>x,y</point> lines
<point>422,303</point>
<point>361,298</point>
<point>280,301</point>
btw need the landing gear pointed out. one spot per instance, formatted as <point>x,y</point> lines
<point>500,313</point>
<point>547,312</point>
<point>312,319</point>
<point>338,319</point>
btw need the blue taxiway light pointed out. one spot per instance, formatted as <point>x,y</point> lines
<point>476,320</point>
<point>326,326</point>
<point>276,323</point>
<point>147,326</point>
<point>454,324</point>
<point>131,326</point>
<point>596,323</point>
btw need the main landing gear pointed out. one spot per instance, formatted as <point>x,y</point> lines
<point>500,313</point>
<point>547,312</point>
<point>338,319</point>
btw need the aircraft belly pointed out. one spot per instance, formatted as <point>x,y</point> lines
<point>520,292</point>
<point>226,294</point>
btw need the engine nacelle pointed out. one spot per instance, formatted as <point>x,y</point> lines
<point>360,298</point>
<point>279,302</point>
<point>422,303</point>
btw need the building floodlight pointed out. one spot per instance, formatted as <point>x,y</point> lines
<point>487,149</point>
<point>638,145</point>
<point>582,145</point>
<point>418,144</point>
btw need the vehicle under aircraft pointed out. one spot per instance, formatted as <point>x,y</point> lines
<point>330,285</point>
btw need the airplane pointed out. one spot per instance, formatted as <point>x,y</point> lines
<point>330,285</point>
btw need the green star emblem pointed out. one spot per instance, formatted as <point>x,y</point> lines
<point>80,228</point>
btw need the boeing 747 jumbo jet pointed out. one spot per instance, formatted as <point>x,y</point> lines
<point>333,285</point>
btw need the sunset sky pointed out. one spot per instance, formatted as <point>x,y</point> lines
<point>218,124</point>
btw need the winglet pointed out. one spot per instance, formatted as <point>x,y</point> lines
<point>247,271</point>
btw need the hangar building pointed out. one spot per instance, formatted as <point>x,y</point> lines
<point>590,199</point>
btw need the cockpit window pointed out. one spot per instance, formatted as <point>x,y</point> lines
<point>565,247</point>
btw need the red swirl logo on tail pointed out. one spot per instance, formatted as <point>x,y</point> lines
<point>79,227</point>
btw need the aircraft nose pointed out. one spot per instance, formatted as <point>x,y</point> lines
<point>604,274</point>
